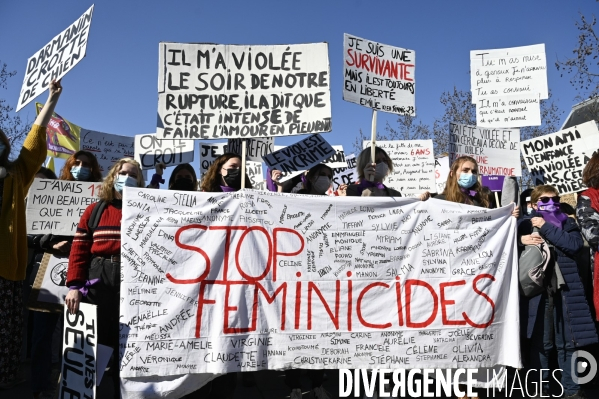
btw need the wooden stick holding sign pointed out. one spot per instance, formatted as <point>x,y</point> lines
<point>373,142</point>
<point>243,156</point>
<point>497,203</point>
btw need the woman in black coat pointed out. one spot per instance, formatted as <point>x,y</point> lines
<point>560,317</point>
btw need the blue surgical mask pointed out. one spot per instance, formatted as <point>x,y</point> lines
<point>528,210</point>
<point>124,180</point>
<point>81,173</point>
<point>467,180</point>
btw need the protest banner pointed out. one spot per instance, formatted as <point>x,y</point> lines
<point>299,157</point>
<point>150,150</point>
<point>441,172</point>
<point>413,166</point>
<point>559,158</point>
<point>55,59</point>
<point>493,183</point>
<point>78,371</point>
<point>379,76</point>
<point>62,136</point>
<point>495,150</point>
<point>249,280</point>
<point>108,148</point>
<point>208,153</point>
<point>255,148</point>
<point>346,175</point>
<point>508,84</point>
<point>211,91</point>
<point>56,206</point>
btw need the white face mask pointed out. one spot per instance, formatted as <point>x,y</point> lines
<point>321,185</point>
<point>381,171</point>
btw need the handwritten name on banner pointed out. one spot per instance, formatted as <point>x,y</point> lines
<point>150,150</point>
<point>55,59</point>
<point>56,206</point>
<point>413,165</point>
<point>496,150</point>
<point>559,158</point>
<point>243,281</point>
<point>208,91</point>
<point>299,157</point>
<point>379,76</point>
<point>108,148</point>
<point>508,84</point>
<point>78,379</point>
<point>255,148</point>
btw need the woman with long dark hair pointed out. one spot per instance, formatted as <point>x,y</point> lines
<point>81,166</point>
<point>224,175</point>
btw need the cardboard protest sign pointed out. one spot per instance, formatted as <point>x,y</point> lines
<point>255,148</point>
<point>255,174</point>
<point>379,76</point>
<point>346,175</point>
<point>49,287</point>
<point>495,150</point>
<point>150,150</point>
<point>208,153</point>
<point>338,159</point>
<point>55,59</point>
<point>508,84</point>
<point>56,206</point>
<point>299,157</point>
<point>62,136</point>
<point>80,338</point>
<point>250,280</point>
<point>559,158</point>
<point>493,183</point>
<point>441,172</point>
<point>413,166</point>
<point>210,91</point>
<point>108,148</point>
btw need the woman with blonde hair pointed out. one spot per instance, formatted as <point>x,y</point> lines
<point>462,184</point>
<point>94,270</point>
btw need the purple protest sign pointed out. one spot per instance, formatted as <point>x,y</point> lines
<point>495,183</point>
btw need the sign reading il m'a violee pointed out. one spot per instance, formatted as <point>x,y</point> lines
<point>208,91</point>
<point>56,206</point>
<point>299,157</point>
<point>379,76</point>
<point>244,281</point>
<point>559,158</point>
<point>497,151</point>
<point>150,150</point>
<point>55,59</point>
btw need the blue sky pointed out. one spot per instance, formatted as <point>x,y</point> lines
<point>114,89</point>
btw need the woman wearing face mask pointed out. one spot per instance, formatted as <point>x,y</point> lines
<point>559,317</point>
<point>462,184</point>
<point>183,178</point>
<point>15,178</point>
<point>94,264</point>
<point>224,175</point>
<point>318,180</point>
<point>371,175</point>
<point>81,166</point>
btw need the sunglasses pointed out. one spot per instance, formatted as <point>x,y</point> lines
<point>545,200</point>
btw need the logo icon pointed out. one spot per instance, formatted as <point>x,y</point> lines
<point>583,367</point>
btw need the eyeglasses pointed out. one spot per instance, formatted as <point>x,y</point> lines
<point>545,200</point>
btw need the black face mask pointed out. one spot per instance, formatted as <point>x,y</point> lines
<point>183,184</point>
<point>233,178</point>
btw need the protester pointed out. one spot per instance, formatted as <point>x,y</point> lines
<point>81,166</point>
<point>224,175</point>
<point>525,201</point>
<point>560,316</point>
<point>94,265</point>
<point>15,179</point>
<point>183,178</point>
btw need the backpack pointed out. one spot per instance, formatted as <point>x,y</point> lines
<point>94,219</point>
<point>532,265</point>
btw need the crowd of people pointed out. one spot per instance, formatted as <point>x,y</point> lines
<point>559,319</point>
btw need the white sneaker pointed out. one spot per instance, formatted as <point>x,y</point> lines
<point>296,394</point>
<point>321,393</point>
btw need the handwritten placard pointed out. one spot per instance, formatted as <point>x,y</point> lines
<point>209,91</point>
<point>255,174</point>
<point>508,84</point>
<point>413,165</point>
<point>55,59</point>
<point>150,150</point>
<point>56,206</point>
<point>495,150</point>
<point>379,76</point>
<point>251,280</point>
<point>559,158</point>
<point>255,148</point>
<point>346,175</point>
<point>208,153</point>
<point>108,148</point>
<point>441,172</point>
<point>299,157</point>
